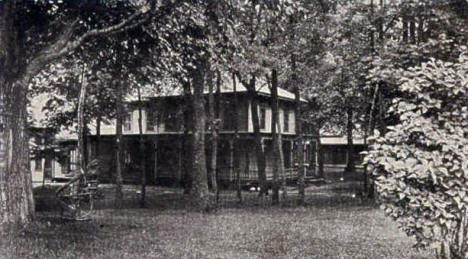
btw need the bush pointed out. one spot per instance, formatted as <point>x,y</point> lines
<point>420,166</point>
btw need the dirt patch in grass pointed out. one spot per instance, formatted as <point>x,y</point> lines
<point>330,226</point>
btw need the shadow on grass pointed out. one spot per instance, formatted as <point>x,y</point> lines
<point>331,225</point>
<point>335,195</point>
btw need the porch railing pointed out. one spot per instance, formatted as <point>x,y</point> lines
<point>228,174</point>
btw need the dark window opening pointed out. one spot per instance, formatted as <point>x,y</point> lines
<point>150,120</point>
<point>229,112</point>
<point>286,121</point>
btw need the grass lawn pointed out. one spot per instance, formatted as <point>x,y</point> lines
<point>332,225</point>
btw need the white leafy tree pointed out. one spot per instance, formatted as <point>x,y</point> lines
<point>420,166</point>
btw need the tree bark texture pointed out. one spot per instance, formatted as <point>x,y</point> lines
<point>81,123</point>
<point>17,70</point>
<point>301,170</point>
<point>278,165</point>
<point>187,156</point>
<point>236,140</point>
<point>218,114</point>
<point>213,141</point>
<point>142,151</point>
<point>200,192</point>
<point>16,200</point>
<point>119,145</point>
<point>261,163</point>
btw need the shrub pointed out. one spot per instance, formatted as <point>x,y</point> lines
<point>420,166</point>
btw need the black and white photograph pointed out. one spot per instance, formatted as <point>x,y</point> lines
<point>234,129</point>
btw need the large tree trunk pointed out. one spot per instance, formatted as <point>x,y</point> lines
<point>236,140</point>
<point>301,170</point>
<point>17,204</point>
<point>213,141</point>
<point>278,164</point>
<point>119,146</point>
<point>142,151</point>
<point>16,200</point>
<point>218,115</point>
<point>200,192</point>
<point>186,181</point>
<point>257,137</point>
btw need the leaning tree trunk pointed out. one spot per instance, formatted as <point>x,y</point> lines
<point>16,200</point>
<point>213,128</point>
<point>200,192</point>
<point>261,163</point>
<point>81,123</point>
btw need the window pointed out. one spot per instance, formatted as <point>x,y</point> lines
<point>262,117</point>
<point>286,121</point>
<point>229,114</point>
<point>73,156</point>
<point>171,121</point>
<point>150,120</point>
<point>127,122</point>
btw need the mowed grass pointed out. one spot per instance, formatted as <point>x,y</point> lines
<point>332,225</point>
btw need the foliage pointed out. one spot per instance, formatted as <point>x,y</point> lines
<point>420,166</point>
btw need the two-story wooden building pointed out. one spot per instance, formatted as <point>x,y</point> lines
<point>163,118</point>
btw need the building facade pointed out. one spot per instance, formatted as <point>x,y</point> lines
<point>163,130</point>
